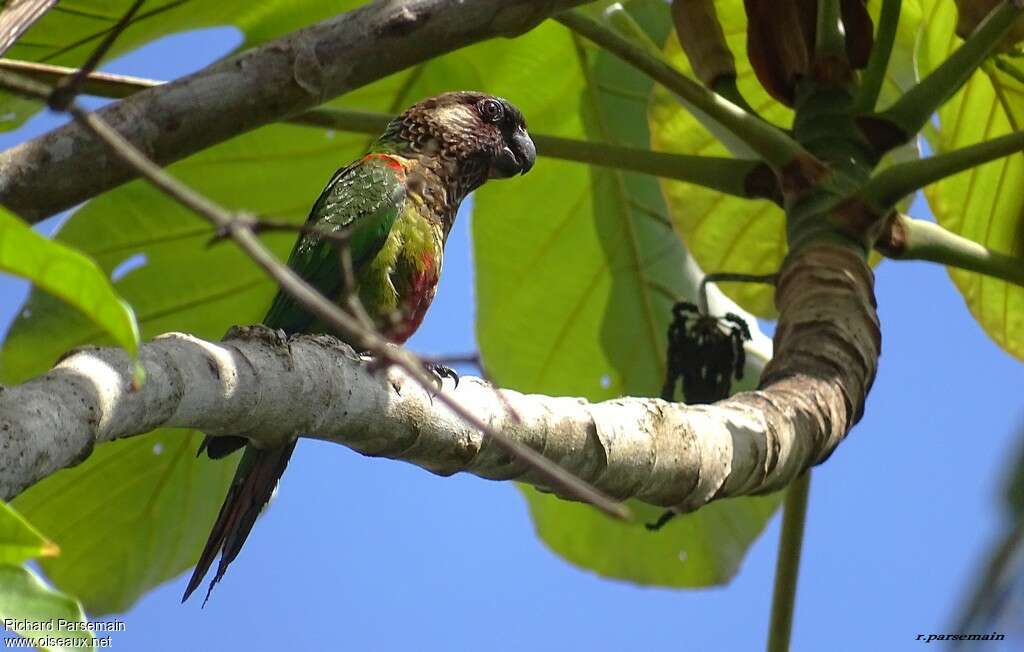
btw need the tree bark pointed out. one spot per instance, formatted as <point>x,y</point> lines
<point>260,385</point>
<point>276,80</point>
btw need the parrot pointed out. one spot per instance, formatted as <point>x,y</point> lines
<point>396,204</point>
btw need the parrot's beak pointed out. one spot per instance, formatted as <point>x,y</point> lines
<point>516,158</point>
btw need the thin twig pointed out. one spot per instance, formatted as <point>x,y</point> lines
<point>456,358</point>
<point>267,225</point>
<point>309,298</point>
<point>719,277</point>
<point>67,89</point>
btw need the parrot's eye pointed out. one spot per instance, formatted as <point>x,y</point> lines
<point>490,110</point>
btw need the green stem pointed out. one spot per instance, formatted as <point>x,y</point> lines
<point>732,176</point>
<point>1010,69</point>
<point>770,143</point>
<point>729,277</point>
<point>887,187</point>
<point>830,41</point>
<point>881,52</point>
<point>787,567</point>
<point>912,239</point>
<point>738,177</point>
<point>725,85</point>
<point>910,113</point>
<point>726,175</point>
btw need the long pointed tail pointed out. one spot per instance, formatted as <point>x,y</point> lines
<point>254,482</point>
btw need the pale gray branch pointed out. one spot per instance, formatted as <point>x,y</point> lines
<point>267,388</point>
<point>257,87</point>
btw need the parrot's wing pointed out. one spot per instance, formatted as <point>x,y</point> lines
<point>362,200</point>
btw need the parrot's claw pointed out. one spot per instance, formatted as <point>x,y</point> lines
<point>441,372</point>
<point>665,517</point>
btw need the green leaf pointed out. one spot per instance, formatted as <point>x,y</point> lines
<point>699,549</point>
<point>66,273</point>
<point>985,204</point>
<point>133,516</point>
<point>574,294</point>
<point>36,611</point>
<point>19,541</point>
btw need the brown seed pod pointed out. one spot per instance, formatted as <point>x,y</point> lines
<point>780,41</point>
<point>702,39</point>
<point>971,12</point>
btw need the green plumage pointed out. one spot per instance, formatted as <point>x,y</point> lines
<point>395,206</point>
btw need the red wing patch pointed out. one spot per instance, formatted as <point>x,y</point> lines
<point>388,160</point>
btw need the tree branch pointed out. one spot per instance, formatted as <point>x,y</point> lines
<point>907,238</point>
<point>266,84</point>
<point>739,177</point>
<point>668,454</point>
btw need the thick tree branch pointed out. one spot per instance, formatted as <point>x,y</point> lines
<point>256,87</point>
<point>663,453</point>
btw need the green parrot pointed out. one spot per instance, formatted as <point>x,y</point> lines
<point>397,204</point>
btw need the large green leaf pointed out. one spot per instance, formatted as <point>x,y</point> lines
<point>699,549</point>
<point>19,541</point>
<point>35,608</point>
<point>66,273</point>
<point>574,297</point>
<point>985,204</point>
<point>134,515</point>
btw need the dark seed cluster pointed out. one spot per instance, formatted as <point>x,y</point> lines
<point>705,352</point>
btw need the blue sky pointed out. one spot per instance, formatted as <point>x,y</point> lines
<point>370,554</point>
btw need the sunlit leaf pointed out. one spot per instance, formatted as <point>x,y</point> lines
<point>19,541</point>
<point>985,204</point>
<point>66,273</point>
<point>37,611</point>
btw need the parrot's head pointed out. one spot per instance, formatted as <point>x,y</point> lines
<point>472,135</point>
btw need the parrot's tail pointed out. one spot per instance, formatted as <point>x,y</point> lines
<point>254,482</point>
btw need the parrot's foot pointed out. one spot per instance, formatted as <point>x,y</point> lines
<point>441,372</point>
<point>665,517</point>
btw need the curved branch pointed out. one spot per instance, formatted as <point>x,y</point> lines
<point>668,454</point>
<point>253,88</point>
